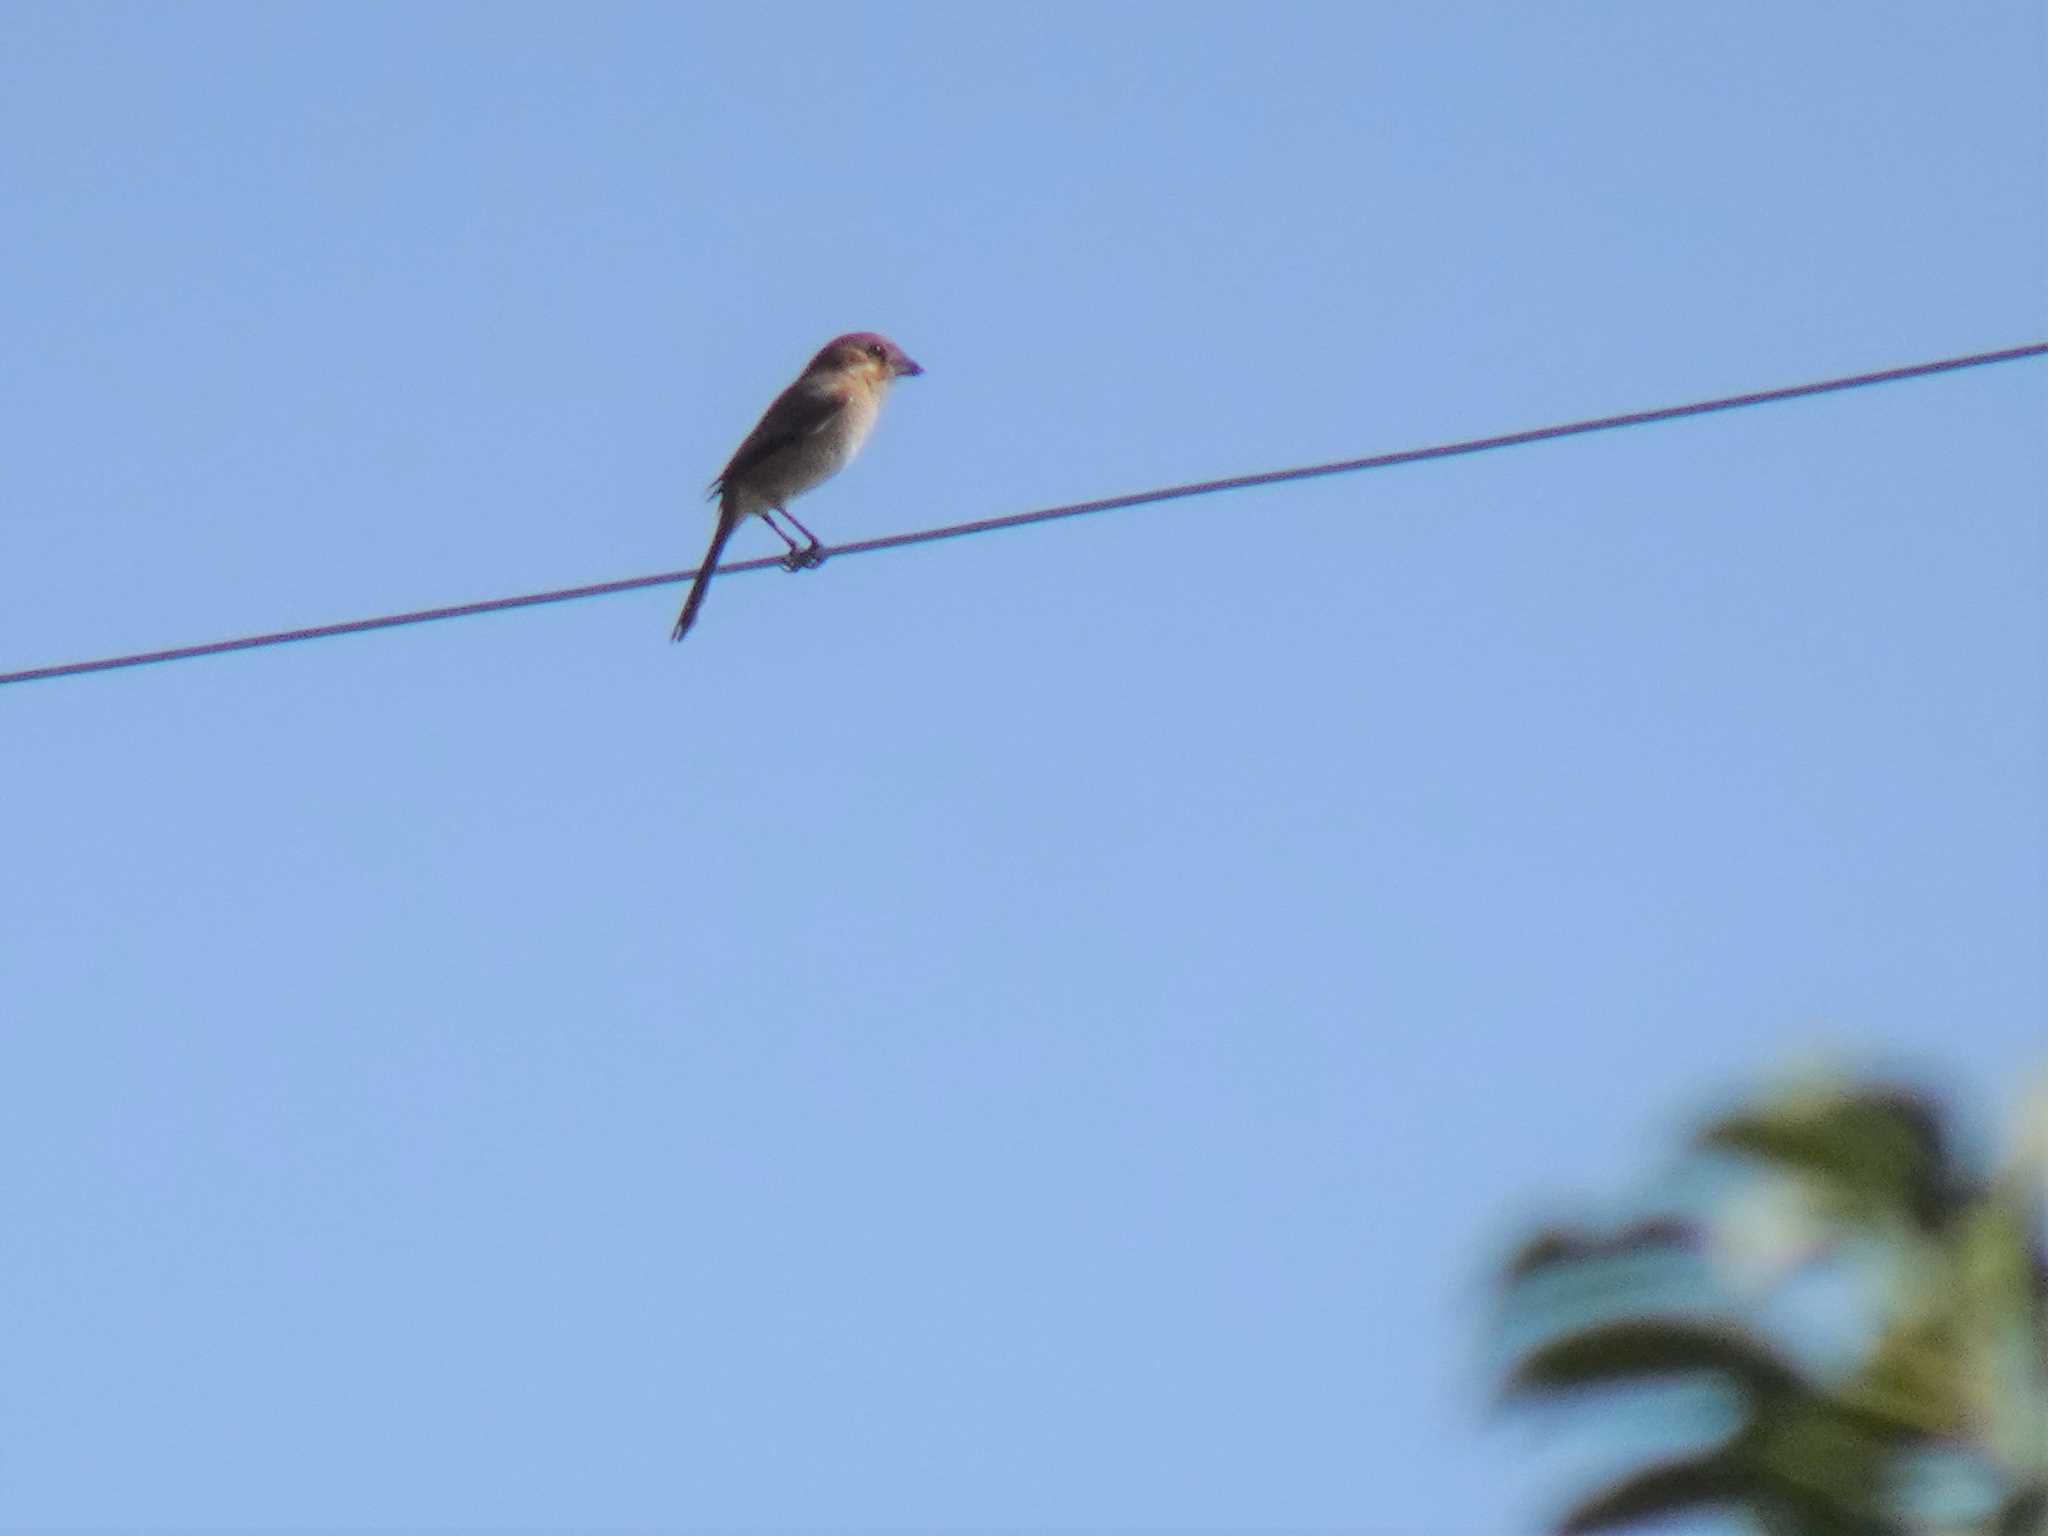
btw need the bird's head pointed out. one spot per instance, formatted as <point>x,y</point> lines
<point>866,356</point>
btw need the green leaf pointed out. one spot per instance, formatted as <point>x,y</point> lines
<point>1916,1379</point>
<point>1876,1156</point>
<point>1826,1453</point>
<point>1657,1492</point>
<point>1560,1247</point>
<point>1641,1349</point>
<point>2024,1514</point>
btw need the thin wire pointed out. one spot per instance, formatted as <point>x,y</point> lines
<point>1048,514</point>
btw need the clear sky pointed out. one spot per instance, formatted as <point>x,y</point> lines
<point>1051,1028</point>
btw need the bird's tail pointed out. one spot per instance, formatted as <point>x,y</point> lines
<point>727,521</point>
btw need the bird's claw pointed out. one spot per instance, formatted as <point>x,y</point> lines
<point>804,559</point>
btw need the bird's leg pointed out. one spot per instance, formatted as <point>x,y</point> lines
<point>815,555</point>
<point>794,561</point>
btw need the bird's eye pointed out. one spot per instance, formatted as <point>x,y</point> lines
<point>877,351</point>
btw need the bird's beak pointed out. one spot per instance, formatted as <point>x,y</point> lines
<point>907,368</point>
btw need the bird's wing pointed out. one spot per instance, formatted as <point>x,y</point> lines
<point>800,411</point>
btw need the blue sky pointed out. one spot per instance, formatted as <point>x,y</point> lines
<point>1046,1029</point>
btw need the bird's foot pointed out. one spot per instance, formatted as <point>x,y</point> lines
<point>804,559</point>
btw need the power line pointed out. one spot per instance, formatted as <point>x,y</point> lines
<point>1049,514</point>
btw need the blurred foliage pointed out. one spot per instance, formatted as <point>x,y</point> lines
<point>1947,1384</point>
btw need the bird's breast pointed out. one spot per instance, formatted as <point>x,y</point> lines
<point>803,462</point>
<point>812,460</point>
<point>855,422</point>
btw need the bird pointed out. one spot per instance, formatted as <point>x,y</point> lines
<point>811,432</point>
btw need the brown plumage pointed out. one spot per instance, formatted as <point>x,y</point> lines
<point>807,436</point>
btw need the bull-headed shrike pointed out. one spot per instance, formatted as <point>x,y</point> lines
<point>807,436</point>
